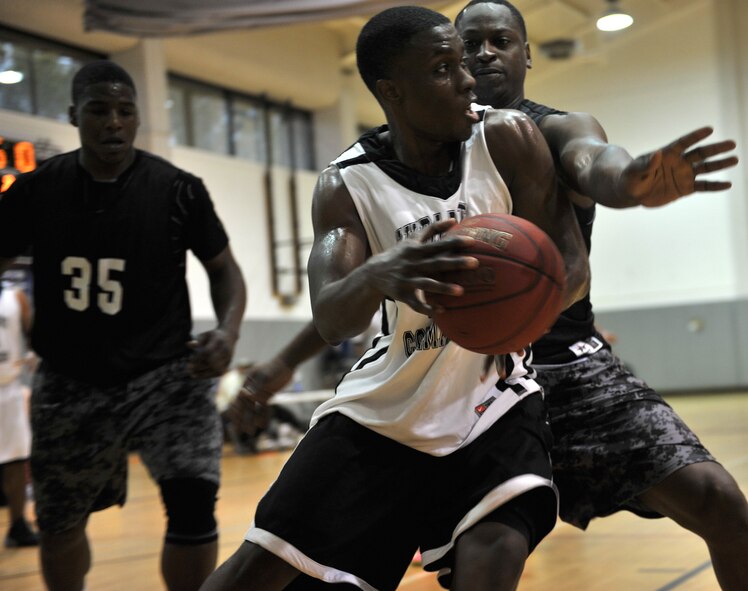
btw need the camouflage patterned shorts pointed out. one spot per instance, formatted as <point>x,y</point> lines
<point>82,436</point>
<point>614,438</point>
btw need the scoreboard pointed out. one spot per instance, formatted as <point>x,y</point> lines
<point>16,157</point>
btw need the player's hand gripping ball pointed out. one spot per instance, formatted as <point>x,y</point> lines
<point>515,294</point>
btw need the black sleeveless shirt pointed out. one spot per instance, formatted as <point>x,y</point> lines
<point>573,335</point>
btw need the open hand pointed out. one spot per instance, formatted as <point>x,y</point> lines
<point>672,172</point>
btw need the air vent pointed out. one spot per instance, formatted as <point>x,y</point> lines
<point>558,49</point>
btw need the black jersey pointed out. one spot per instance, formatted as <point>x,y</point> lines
<point>576,324</point>
<point>109,262</point>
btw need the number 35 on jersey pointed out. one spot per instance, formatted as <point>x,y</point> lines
<point>104,290</point>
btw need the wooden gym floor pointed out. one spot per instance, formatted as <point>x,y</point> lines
<point>619,553</point>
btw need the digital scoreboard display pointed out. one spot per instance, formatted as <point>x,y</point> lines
<point>16,157</point>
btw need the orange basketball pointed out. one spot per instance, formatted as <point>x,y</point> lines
<point>513,297</point>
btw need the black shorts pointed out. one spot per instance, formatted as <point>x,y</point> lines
<point>352,506</point>
<point>82,436</point>
<point>614,438</point>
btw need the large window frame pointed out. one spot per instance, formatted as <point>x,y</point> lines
<point>34,80</point>
<point>295,127</point>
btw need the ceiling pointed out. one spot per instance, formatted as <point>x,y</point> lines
<point>546,20</point>
<point>549,20</point>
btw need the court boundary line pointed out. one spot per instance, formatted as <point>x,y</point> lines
<point>685,577</point>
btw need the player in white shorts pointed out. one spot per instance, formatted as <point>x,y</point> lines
<point>15,431</point>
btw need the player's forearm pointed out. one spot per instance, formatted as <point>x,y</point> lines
<point>343,308</point>
<point>304,345</point>
<point>568,238</point>
<point>229,296</point>
<point>577,280</point>
<point>598,174</point>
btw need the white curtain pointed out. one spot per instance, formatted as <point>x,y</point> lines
<point>162,18</point>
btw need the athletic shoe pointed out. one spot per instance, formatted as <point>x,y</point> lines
<point>20,534</point>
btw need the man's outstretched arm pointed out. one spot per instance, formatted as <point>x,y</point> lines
<point>609,175</point>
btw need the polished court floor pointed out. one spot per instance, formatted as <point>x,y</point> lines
<point>619,553</point>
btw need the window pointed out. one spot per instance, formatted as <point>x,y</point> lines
<point>227,122</point>
<point>199,116</point>
<point>35,74</point>
<point>210,126</point>
<point>292,137</point>
<point>16,96</point>
<point>180,128</point>
<point>301,127</point>
<point>248,128</point>
<point>279,135</point>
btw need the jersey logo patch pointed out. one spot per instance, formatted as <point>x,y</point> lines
<point>483,406</point>
<point>588,347</point>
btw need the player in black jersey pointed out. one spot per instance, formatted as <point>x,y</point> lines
<point>109,227</point>
<point>617,444</point>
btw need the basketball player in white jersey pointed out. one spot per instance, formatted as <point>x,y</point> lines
<point>15,430</point>
<point>414,449</point>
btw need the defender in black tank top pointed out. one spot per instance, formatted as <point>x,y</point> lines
<point>617,444</point>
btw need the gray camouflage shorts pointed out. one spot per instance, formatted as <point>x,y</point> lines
<point>82,436</point>
<point>614,438</point>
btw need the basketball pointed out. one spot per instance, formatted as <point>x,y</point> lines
<point>513,297</point>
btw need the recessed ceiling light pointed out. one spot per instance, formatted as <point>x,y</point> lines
<point>10,77</point>
<point>614,18</point>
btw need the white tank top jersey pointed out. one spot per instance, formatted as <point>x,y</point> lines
<point>413,385</point>
<point>10,336</point>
